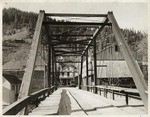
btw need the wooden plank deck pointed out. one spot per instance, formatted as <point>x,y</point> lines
<point>49,106</point>
<point>85,103</point>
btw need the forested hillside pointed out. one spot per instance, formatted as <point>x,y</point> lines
<point>14,20</point>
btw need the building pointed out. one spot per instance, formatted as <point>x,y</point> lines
<point>11,85</point>
<point>67,74</point>
<point>14,71</point>
<point>110,65</point>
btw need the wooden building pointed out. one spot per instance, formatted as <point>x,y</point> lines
<point>67,74</point>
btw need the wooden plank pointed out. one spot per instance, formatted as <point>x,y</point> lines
<point>133,66</point>
<point>101,104</point>
<point>27,78</point>
<point>49,106</point>
<point>75,15</point>
<point>75,108</point>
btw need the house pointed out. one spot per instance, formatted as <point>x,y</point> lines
<point>67,74</point>
<point>15,69</point>
<point>110,65</point>
<point>11,85</point>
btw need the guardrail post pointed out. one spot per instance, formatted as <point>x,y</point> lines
<point>106,92</point>
<point>113,95</point>
<point>127,99</point>
<point>100,91</point>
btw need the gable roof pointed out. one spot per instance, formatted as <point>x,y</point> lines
<point>12,79</point>
<point>21,64</point>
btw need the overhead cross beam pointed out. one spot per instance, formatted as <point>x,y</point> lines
<point>55,44</point>
<point>71,51</point>
<point>74,26</point>
<point>71,35</point>
<point>75,23</point>
<point>73,41</point>
<point>68,61</point>
<point>68,55</point>
<point>69,47</point>
<point>75,15</point>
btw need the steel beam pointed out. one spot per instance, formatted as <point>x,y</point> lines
<point>49,65</point>
<point>56,44</point>
<point>53,67</point>
<point>68,51</point>
<point>27,78</point>
<point>68,61</point>
<point>95,65</point>
<point>75,15</point>
<point>95,35</point>
<point>68,55</point>
<point>87,73</point>
<point>28,74</point>
<point>55,80</point>
<point>68,47</point>
<point>133,66</point>
<point>83,40</point>
<point>71,35</point>
<point>75,23</point>
<point>80,77</point>
<point>74,26</point>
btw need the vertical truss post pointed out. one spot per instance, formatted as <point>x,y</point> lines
<point>49,65</point>
<point>28,74</point>
<point>55,73</point>
<point>133,66</point>
<point>95,65</point>
<point>87,68</point>
<point>80,77</point>
<point>53,77</point>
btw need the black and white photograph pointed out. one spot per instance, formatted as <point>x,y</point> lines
<point>74,57</point>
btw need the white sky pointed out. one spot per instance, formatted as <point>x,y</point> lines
<point>128,14</point>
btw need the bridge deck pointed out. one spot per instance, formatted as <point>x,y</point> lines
<point>84,103</point>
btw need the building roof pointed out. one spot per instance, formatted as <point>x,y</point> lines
<point>21,64</point>
<point>12,79</point>
<point>110,69</point>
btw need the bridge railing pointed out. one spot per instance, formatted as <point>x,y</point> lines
<point>33,98</point>
<point>115,91</point>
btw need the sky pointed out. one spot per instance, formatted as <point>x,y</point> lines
<point>131,15</point>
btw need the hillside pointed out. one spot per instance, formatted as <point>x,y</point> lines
<point>17,39</point>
